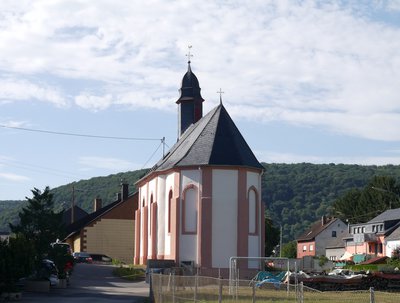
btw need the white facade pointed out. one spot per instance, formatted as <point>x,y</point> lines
<point>235,197</point>
<point>391,245</point>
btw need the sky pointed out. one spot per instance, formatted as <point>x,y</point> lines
<point>304,81</point>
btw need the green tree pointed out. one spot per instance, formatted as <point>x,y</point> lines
<point>361,205</point>
<point>289,250</point>
<point>39,223</point>
<point>272,234</point>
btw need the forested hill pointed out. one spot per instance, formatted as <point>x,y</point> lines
<point>299,194</point>
<point>295,194</point>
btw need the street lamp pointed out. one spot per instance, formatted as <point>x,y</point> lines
<point>389,192</point>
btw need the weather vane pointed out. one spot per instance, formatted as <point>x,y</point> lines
<point>189,54</point>
<point>220,92</point>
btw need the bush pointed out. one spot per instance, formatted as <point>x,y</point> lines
<point>129,273</point>
<point>16,262</point>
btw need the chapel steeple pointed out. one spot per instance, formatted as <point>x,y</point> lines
<point>190,101</point>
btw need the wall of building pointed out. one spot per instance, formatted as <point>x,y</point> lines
<point>305,249</point>
<point>256,216</point>
<point>325,238</point>
<point>112,237</point>
<point>334,253</point>
<point>356,248</point>
<point>224,216</point>
<point>390,246</point>
<point>188,241</point>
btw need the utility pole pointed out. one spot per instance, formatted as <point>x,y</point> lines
<point>73,204</point>
<point>280,243</point>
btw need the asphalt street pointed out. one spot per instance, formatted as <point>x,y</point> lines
<point>93,283</point>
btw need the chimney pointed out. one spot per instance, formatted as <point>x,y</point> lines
<point>323,220</point>
<point>97,204</point>
<point>124,190</point>
<point>118,196</point>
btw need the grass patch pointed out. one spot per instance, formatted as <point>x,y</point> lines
<point>129,273</point>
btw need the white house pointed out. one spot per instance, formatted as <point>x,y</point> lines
<point>392,241</point>
<point>201,203</point>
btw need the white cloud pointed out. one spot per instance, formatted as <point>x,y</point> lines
<point>13,177</point>
<point>93,102</point>
<point>276,157</point>
<point>309,62</point>
<point>13,89</point>
<point>111,164</point>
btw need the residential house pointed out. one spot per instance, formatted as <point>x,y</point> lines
<point>201,203</point>
<point>70,216</point>
<point>324,238</point>
<point>109,230</point>
<point>369,238</point>
<point>392,242</point>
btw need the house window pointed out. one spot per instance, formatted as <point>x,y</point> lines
<point>151,214</point>
<point>311,247</point>
<point>252,211</point>
<point>189,210</point>
<point>334,233</point>
<point>363,230</point>
<point>143,203</point>
<point>354,230</point>
<point>169,210</point>
<point>380,248</point>
<point>304,248</point>
<point>381,227</point>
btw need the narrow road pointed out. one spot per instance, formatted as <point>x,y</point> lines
<point>93,283</point>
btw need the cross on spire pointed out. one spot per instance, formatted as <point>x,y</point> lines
<point>189,54</point>
<point>220,92</point>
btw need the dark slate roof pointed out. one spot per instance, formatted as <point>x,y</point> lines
<point>388,215</point>
<point>79,224</point>
<point>395,233</point>
<point>190,88</point>
<point>79,213</point>
<point>316,229</point>
<point>213,140</point>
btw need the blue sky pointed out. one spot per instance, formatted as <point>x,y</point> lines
<point>305,81</point>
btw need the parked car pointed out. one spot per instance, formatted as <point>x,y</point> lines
<point>101,258</point>
<point>49,272</point>
<point>82,257</point>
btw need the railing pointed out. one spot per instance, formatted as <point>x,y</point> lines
<point>179,289</point>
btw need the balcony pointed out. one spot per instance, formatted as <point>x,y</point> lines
<point>367,237</point>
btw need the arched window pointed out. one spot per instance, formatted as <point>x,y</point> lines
<point>169,210</point>
<point>253,211</point>
<point>143,203</point>
<point>189,210</point>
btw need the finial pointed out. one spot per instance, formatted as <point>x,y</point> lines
<point>189,54</point>
<point>220,92</point>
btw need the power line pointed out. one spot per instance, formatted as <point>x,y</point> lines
<point>79,135</point>
<point>152,155</point>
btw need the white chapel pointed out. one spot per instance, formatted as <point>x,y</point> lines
<point>201,203</point>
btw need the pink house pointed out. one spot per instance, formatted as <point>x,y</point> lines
<point>370,238</point>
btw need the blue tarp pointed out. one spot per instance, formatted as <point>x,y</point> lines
<point>268,277</point>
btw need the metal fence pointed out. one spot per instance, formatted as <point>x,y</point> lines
<point>179,289</point>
